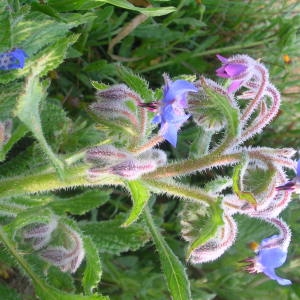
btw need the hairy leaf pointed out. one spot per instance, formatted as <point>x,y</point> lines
<point>149,11</point>
<point>28,113</point>
<point>209,229</point>
<point>174,271</point>
<point>110,237</point>
<point>81,204</point>
<point>93,270</point>
<point>140,195</point>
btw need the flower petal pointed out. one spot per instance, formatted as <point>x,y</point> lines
<point>221,58</point>
<point>271,274</point>
<point>235,85</point>
<point>177,89</point>
<point>234,69</point>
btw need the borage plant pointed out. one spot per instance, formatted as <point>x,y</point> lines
<point>41,237</point>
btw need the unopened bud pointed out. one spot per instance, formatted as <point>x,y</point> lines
<point>118,92</point>
<point>39,234</point>
<point>67,259</point>
<point>217,245</point>
<point>114,110</point>
<point>105,154</point>
<point>133,169</point>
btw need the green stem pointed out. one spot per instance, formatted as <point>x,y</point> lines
<point>9,245</point>
<point>208,52</point>
<point>193,165</point>
<point>49,180</point>
<point>180,190</point>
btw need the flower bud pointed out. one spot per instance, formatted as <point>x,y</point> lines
<point>39,234</point>
<point>217,245</point>
<point>105,154</point>
<point>114,110</point>
<point>118,92</point>
<point>66,258</point>
<point>134,168</point>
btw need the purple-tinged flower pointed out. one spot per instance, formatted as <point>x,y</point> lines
<point>171,115</point>
<point>294,184</point>
<point>14,59</point>
<point>270,256</point>
<point>231,70</point>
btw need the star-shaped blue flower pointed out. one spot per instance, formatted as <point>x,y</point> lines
<point>171,115</point>
<point>14,59</point>
<point>270,255</point>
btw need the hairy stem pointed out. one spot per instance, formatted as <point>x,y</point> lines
<point>193,165</point>
<point>180,190</point>
<point>49,180</point>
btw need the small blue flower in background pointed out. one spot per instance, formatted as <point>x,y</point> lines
<point>14,59</point>
<point>230,70</point>
<point>294,184</point>
<point>270,255</point>
<point>171,115</point>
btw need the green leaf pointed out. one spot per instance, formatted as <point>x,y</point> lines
<point>210,228</point>
<point>151,11</point>
<point>17,134</point>
<point>93,270</point>
<point>80,204</point>
<point>109,237</point>
<point>140,195</point>
<point>70,5</point>
<point>48,292</point>
<point>174,271</point>
<point>28,113</point>
<point>5,28</point>
<point>136,83</point>
<point>247,196</point>
<point>229,111</point>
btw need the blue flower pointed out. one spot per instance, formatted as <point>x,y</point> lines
<point>294,184</point>
<point>270,255</point>
<point>14,59</point>
<point>171,115</point>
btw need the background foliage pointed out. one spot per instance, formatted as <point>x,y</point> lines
<point>74,43</point>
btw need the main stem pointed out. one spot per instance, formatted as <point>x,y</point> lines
<point>49,180</point>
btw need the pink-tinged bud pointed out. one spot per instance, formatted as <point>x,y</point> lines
<point>5,131</point>
<point>54,255</point>
<point>39,234</point>
<point>217,245</point>
<point>106,154</point>
<point>118,92</point>
<point>66,258</point>
<point>134,168</point>
<point>114,110</point>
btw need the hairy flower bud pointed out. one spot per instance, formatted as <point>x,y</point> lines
<point>39,234</point>
<point>133,169</point>
<point>106,154</point>
<point>114,110</point>
<point>66,258</point>
<point>217,245</point>
<point>118,92</point>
